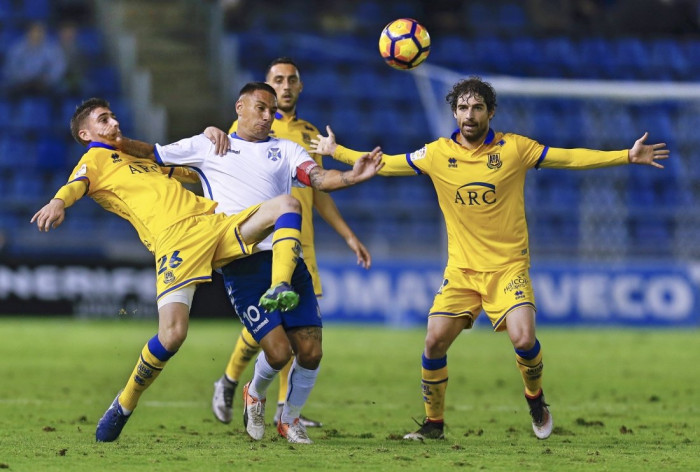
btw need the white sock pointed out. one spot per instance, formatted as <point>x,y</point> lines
<point>301,382</point>
<point>262,377</point>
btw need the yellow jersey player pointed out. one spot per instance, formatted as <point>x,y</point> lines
<point>479,176</point>
<point>179,228</point>
<point>283,75</point>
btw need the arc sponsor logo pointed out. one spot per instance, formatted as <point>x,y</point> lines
<point>476,194</point>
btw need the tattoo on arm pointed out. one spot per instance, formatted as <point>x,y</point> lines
<point>319,179</point>
<point>316,176</point>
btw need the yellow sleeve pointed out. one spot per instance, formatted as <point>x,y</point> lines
<point>181,174</point>
<point>72,191</point>
<point>579,159</point>
<point>394,165</point>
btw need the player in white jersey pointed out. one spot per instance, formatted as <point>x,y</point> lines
<point>254,166</point>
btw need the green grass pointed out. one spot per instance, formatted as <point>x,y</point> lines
<point>622,400</point>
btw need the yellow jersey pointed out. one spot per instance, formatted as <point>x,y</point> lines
<point>480,191</point>
<point>138,190</point>
<point>301,132</point>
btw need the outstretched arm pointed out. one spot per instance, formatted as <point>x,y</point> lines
<point>53,213</point>
<point>365,167</point>
<point>147,150</point>
<point>394,165</point>
<point>640,153</point>
<point>648,154</point>
<point>326,207</point>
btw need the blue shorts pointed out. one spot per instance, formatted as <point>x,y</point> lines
<point>246,280</point>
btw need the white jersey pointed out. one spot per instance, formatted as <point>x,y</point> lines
<point>249,173</point>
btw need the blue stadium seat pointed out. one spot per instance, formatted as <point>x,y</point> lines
<point>28,187</point>
<point>8,223</point>
<point>365,84</point>
<point>17,152</point>
<point>122,110</point>
<point>632,59</point>
<point>528,58</point>
<point>547,126</point>
<point>512,18</point>
<point>596,59</point>
<point>562,57</point>
<point>482,17</point>
<point>33,114</point>
<point>104,81</point>
<point>396,86</point>
<point>114,227</point>
<point>651,233</point>
<point>691,50</point>
<point>325,84</point>
<point>450,51</point>
<point>667,55</point>
<point>52,153</point>
<point>65,112</point>
<point>349,121</point>
<point>5,115</point>
<point>90,42</point>
<point>7,14</point>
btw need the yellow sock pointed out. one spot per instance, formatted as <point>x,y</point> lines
<point>530,365</point>
<point>284,381</point>
<point>434,385</point>
<point>242,354</point>
<point>151,362</point>
<point>286,247</point>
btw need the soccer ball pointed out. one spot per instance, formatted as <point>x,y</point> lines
<point>404,44</point>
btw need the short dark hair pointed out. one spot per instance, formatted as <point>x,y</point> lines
<point>472,86</point>
<point>281,60</point>
<point>251,87</point>
<point>81,113</point>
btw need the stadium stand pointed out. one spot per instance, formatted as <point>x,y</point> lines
<point>381,107</point>
<point>37,151</point>
<point>368,104</point>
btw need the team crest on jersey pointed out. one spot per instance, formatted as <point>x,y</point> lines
<point>418,155</point>
<point>274,154</point>
<point>168,277</point>
<point>494,161</point>
<point>115,158</point>
<point>452,163</point>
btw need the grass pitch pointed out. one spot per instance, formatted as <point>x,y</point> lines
<point>622,400</point>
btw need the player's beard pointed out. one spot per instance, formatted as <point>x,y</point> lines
<point>287,109</point>
<point>473,135</point>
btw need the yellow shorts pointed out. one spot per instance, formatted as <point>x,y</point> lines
<point>465,292</point>
<point>187,251</point>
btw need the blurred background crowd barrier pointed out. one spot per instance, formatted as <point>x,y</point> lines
<point>608,246</point>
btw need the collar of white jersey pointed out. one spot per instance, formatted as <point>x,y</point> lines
<point>234,135</point>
